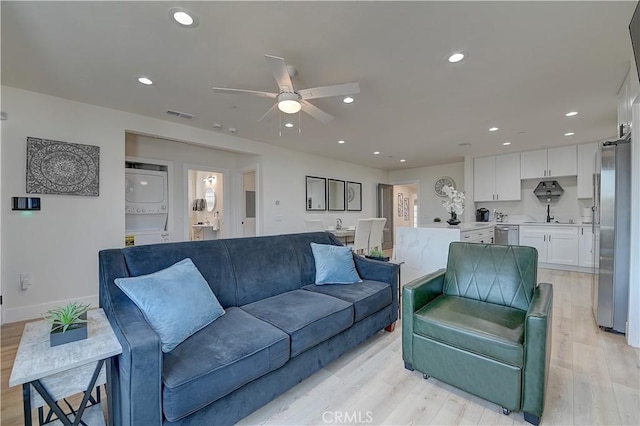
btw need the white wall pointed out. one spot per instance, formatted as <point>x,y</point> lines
<point>60,244</point>
<point>430,204</point>
<point>633,335</point>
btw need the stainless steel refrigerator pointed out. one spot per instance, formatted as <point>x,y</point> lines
<point>612,212</point>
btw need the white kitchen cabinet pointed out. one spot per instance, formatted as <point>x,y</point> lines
<point>585,252</point>
<point>555,244</point>
<point>626,96</point>
<point>497,178</point>
<point>552,162</point>
<point>586,169</point>
<point>483,236</point>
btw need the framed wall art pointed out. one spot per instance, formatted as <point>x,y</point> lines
<point>354,196</point>
<point>62,168</point>
<point>400,204</point>
<point>406,209</point>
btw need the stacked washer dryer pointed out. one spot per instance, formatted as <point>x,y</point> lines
<point>146,206</point>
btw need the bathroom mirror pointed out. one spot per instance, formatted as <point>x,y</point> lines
<point>210,198</point>
<point>336,195</point>
<point>316,193</point>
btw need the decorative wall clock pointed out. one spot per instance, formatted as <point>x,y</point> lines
<point>440,182</point>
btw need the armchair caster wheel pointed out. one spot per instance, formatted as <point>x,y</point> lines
<point>506,411</point>
<point>425,376</point>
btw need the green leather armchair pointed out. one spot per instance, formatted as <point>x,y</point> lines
<point>483,325</point>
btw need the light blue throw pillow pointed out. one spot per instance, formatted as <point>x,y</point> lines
<point>334,264</point>
<point>176,301</point>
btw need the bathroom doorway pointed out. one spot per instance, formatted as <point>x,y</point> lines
<point>405,205</point>
<point>205,203</point>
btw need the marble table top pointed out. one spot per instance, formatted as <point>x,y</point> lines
<point>36,359</point>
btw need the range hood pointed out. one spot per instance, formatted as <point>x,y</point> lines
<point>548,190</point>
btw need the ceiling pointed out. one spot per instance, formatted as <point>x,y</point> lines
<point>526,65</point>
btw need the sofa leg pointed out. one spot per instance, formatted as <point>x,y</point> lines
<point>425,376</point>
<point>391,327</point>
<point>506,411</point>
<point>408,366</point>
<point>530,418</point>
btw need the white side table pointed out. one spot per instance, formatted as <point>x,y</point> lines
<point>60,371</point>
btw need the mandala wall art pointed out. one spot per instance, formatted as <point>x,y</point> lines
<point>55,167</point>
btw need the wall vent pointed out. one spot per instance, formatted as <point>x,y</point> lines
<point>180,114</point>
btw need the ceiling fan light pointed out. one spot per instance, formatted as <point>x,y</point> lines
<point>289,125</point>
<point>289,106</point>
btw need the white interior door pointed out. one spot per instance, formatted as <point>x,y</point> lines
<point>249,204</point>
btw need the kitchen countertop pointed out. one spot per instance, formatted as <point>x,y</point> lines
<point>576,225</point>
<point>464,226</point>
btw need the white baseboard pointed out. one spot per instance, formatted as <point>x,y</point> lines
<point>587,270</point>
<point>36,311</point>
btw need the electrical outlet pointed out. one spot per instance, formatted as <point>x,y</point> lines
<point>26,279</point>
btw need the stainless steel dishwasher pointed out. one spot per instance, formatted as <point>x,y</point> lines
<point>507,234</point>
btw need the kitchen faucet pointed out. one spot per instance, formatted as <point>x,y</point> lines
<point>338,223</point>
<point>549,217</point>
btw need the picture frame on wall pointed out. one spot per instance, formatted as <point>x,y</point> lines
<point>354,196</point>
<point>400,204</point>
<point>406,209</point>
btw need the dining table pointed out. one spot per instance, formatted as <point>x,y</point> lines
<point>345,235</point>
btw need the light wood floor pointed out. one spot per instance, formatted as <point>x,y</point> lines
<point>594,379</point>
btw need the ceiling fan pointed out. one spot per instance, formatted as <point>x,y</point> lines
<point>288,99</point>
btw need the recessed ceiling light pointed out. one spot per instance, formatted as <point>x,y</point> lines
<point>569,134</point>
<point>183,17</point>
<point>456,57</point>
<point>506,143</point>
<point>493,129</point>
<point>402,160</point>
<point>288,125</point>
<point>145,80</point>
<point>348,100</point>
<point>571,114</point>
<point>340,141</point>
<point>376,152</point>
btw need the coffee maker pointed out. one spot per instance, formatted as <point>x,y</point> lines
<point>482,215</point>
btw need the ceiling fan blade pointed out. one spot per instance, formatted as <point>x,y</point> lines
<point>224,90</point>
<point>327,91</point>
<point>280,72</point>
<point>268,112</point>
<point>316,112</point>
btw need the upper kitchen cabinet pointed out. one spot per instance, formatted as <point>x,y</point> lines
<point>552,162</point>
<point>626,96</point>
<point>497,178</point>
<point>586,169</point>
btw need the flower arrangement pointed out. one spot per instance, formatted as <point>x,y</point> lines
<point>454,205</point>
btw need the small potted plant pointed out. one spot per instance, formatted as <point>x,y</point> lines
<point>68,323</point>
<point>377,255</point>
<point>455,205</point>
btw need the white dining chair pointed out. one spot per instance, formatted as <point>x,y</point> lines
<point>361,239</point>
<point>377,229</point>
<point>314,225</point>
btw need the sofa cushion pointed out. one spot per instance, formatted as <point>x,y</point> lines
<point>309,318</point>
<point>175,301</point>
<point>210,257</point>
<point>232,351</point>
<point>490,330</point>
<point>334,264</point>
<point>368,297</point>
<point>263,267</point>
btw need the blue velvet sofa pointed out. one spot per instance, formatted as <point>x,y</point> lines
<point>278,329</point>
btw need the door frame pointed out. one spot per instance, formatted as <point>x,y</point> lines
<point>226,216</point>
<point>255,168</point>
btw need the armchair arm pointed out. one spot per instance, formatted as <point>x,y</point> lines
<point>537,349</point>
<point>415,295</point>
<point>136,374</point>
